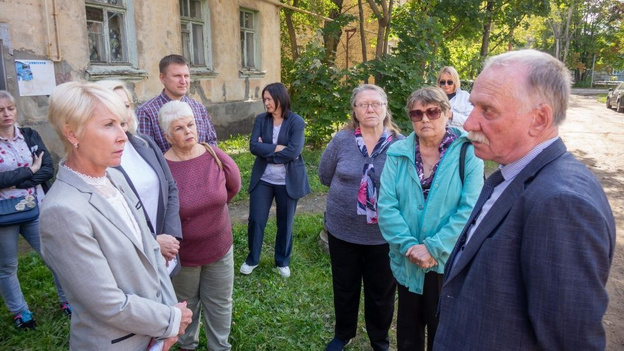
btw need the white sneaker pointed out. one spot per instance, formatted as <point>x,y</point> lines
<point>284,271</point>
<point>247,269</point>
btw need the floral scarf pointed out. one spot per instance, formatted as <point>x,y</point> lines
<point>447,140</point>
<point>367,194</point>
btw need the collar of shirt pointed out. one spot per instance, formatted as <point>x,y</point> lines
<point>165,98</point>
<point>510,171</point>
<point>18,134</point>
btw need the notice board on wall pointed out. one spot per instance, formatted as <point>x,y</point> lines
<point>35,77</point>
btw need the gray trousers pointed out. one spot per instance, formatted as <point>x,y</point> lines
<point>208,288</point>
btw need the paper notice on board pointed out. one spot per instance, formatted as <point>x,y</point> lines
<point>35,77</point>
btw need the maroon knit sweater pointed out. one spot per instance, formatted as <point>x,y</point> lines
<point>204,192</point>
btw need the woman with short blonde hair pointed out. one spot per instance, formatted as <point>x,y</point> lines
<point>95,236</point>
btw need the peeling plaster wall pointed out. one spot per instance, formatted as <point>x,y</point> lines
<point>233,101</point>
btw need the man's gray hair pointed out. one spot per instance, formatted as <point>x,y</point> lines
<point>548,80</point>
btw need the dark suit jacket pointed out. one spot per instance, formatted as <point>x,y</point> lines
<point>291,135</point>
<point>533,275</point>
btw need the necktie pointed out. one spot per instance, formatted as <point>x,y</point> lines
<point>488,187</point>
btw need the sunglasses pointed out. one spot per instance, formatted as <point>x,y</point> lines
<point>432,113</point>
<point>447,82</point>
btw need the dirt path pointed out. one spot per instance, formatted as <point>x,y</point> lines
<point>595,135</point>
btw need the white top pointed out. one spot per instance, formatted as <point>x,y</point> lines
<point>113,196</point>
<point>461,108</point>
<point>144,179</point>
<point>275,173</point>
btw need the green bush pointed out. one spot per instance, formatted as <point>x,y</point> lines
<point>320,93</point>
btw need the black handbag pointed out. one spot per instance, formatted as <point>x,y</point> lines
<point>18,210</point>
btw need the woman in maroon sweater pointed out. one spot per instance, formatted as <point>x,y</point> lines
<point>207,180</point>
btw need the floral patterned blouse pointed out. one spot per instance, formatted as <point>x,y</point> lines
<point>425,183</point>
<point>15,153</point>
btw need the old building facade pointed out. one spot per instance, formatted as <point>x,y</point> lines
<point>233,47</point>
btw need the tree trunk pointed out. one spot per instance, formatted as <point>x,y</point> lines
<point>567,37</point>
<point>362,32</point>
<point>332,39</point>
<point>383,20</point>
<point>292,34</point>
<point>485,42</point>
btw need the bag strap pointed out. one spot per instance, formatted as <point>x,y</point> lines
<point>462,160</point>
<point>214,154</point>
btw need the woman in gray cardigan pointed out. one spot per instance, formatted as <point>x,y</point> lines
<point>351,165</point>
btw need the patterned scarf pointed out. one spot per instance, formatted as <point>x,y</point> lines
<point>367,194</point>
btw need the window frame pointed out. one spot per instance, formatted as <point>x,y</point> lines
<point>206,69</point>
<point>255,70</point>
<point>127,69</point>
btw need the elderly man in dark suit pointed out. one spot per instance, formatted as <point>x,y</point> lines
<point>529,269</point>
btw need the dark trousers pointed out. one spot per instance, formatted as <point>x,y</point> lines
<point>352,264</point>
<point>260,200</point>
<point>417,312</point>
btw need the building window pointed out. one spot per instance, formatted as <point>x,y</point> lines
<point>193,31</point>
<point>106,30</point>
<point>248,37</point>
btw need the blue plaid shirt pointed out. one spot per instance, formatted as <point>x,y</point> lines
<point>147,114</point>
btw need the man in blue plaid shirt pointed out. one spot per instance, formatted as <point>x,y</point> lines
<point>175,76</point>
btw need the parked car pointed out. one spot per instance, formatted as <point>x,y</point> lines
<point>615,98</point>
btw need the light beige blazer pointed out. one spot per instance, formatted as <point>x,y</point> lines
<point>121,295</point>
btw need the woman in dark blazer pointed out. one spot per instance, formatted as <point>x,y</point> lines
<point>147,172</point>
<point>278,172</point>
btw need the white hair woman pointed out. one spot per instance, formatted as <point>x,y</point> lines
<point>146,170</point>
<point>25,170</point>
<point>207,180</point>
<point>95,236</point>
<point>448,81</point>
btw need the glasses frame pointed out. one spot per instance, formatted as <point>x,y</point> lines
<point>432,113</point>
<point>365,105</point>
<point>446,82</point>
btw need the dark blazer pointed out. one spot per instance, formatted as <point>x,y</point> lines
<point>168,217</point>
<point>23,177</point>
<point>291,135</point>
<point>533,275</point>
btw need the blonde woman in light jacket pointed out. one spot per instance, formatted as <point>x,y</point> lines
<point>94,234</point>
<point>448,81</point>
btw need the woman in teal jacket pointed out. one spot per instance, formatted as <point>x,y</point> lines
<point>423,206</point>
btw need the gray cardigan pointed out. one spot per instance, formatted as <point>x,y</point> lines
<point>341,169</point>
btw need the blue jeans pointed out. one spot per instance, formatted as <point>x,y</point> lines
<point>9,284</point>
<point>260,201</point>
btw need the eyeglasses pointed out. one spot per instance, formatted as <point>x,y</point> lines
<point>432,113</point>
<point>449,82</point>
<point>365,106</point>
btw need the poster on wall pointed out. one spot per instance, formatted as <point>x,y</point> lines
<point>35,77</point>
